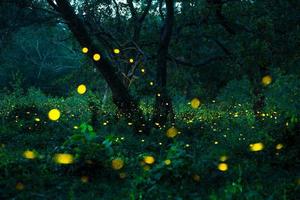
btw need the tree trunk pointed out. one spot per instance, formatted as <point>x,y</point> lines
<point>163,104</point>
<point>126,104</point>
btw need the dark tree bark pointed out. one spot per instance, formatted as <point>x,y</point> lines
<point>163,103</point>
<point>126,104</point>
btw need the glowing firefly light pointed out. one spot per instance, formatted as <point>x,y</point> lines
<point>195,103</point>
<point>85,50</point>
<point>117,164</point>
<point>29,154</point>
<point>81,89</point>
<point>266,80</point>
<point>279,146</point>
<point>54,114</point>
<point>149,159</point>
<point>167,162</point>
<point>172,132</point>
<point>96,57</point>
<point>256,146</point>
<point>223,167</point>
<point>116,51</point>
<point>64,158</point>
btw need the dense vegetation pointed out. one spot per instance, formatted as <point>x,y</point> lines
<point>149,99</point>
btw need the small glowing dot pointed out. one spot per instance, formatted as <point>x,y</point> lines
<point>20,186</point>
<point>196,177</point>
<point>266,80</point>
<point>216,142</point>
<point>116,51</point>
<point>151,83</point>
<point>172,132</point>
<point>54,114</point>
<point>75,127</point>
<point>130,123</point>
<point>256,146</point>
<point>158,94</point>
<point>146,168</point>
<point>149,159</point>
<point>37,119</point>
<point>85,50</point>
<point>117,164</point>
<point>131,60</point>
<point>223,167</point>
<point>96,57</point>
<point>143,70</point>
<point>223,158</point>
<point>167,162</point>
<point>122,175</point>
<point>63,158</point>
<point>279,146</point>
<point>195,103</point>
<point>84,179</point>
<point>81,89</point>
<point>29,154</point>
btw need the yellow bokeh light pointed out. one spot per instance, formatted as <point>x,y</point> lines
<point>223,158</point>
<point>84,179</point>
<point>54,114</point>
<point>146,168</point>
<point>266,80</point>
<point>81,89</point>
<point>117,164</point>
<point>256,146</point>
<point>64,158</point>
<point>131,60</point>
<point>29,154</point>
<point>20,186</point>
<point>96,57</point>
<point>149,159</point>
<point>172,132</point>
<point>223,167</point>
<point>122,175</point>
<point>143,70</point>
<point>195,103</point>
<point>167,162</point>
<point>196,177</point>
<point>279,146</point>
<point>85,50</point>
<point>116,51</point>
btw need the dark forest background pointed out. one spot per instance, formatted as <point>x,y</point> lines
<point>188,99</point>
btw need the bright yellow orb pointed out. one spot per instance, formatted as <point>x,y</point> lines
<point>256,146</point>
<point>116,51</point>
<point>223,167</point>
<point>117,164</point>
<point>279,146</point>
<point>96,57</point>
<point>167,162</point>
<point>29,154</point>
<point>54,114</point>
<point>63,158</point>
<point>81,89</point>
<point>85,50</point>
<point>149,159</point>
<point>266,80</point>
<point>172,132</point>
<point>131,60</point>
<point>195,103</point>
